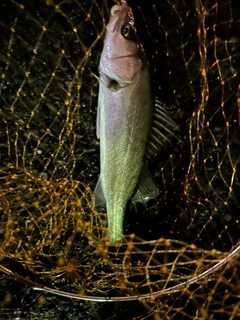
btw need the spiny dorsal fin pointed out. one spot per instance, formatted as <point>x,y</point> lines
<point>162,130</point>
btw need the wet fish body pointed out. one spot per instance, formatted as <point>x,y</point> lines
<point>124,122</point>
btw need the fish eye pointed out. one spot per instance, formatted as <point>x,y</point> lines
<point>128,31</point>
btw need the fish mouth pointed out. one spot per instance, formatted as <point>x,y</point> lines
<point>118,7</point>
<point>120,12</point>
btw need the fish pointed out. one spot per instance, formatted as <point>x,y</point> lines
<point>131,125</point>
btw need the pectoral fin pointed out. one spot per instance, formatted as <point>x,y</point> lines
<point>163,128</point>
<point>100,201</point>
<point>146,188</point>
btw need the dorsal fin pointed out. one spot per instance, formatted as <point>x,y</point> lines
<point>162,130</point>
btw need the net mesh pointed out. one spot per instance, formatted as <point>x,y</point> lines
<point>187,266</point>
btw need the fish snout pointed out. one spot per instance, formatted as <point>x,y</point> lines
<point>118,7</point>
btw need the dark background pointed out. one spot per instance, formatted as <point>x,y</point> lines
<point>47,124</point>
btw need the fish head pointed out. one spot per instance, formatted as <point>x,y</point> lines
<point>121,28</point>
<point>122,56</point>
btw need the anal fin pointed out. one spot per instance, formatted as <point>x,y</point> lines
<point>146,188</point>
